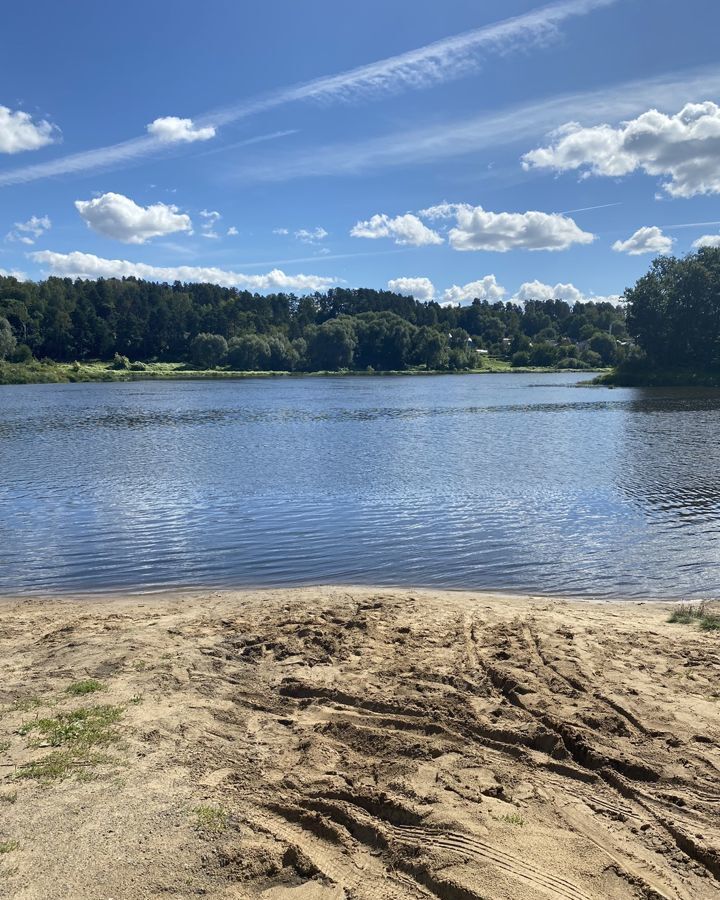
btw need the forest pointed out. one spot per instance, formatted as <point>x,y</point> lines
<point>130,322</point>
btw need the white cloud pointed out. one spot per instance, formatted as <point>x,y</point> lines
<point>537,290</point>
<point>207,228</point>
<point>28,232</point>
<point>684,148</point>
<point>112,157</point>
<point>311,237</point>
<point>645,240</point>
<point>19,132</point>
<point>87,265</point>
<point>232,231</point>
<point>407,229</point>
<point>119,217</point>
<point>173,130</point>
<point>707,240</point>
<point>422,67</point>
<point>485,288</point>
<point>435,63</point>
<point>280,231</point>
<point>442,210</point>
<point>419,288</point>
<point>460,137</point>
<point>13,273</point>
<point>478,229</point>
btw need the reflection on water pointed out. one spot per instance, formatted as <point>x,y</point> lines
<point>513,482</point>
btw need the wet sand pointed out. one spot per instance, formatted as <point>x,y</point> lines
<point>357,743</point>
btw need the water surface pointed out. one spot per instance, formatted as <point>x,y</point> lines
<point>522,483</point>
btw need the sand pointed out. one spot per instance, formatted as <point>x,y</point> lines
<point>330,743</point>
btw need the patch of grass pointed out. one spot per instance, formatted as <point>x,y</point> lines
<point>140,665</point>
<point>136,699</point>
<point>8,797</point>
<point>8,846</point>
<point>80,728</point>
<point>695,613</point>
<point>62,764</point>
<point>77,733</point>
<point>4,745</point>
<point>513,819</point>
<point>26,704</point>
<point>211,819</point>
<point>88,686</point>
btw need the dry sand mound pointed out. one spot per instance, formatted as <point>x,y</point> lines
<point>349,743</point>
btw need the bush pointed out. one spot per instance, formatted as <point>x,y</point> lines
<point>120,362</point>
<point>593,359</point>
<point>543,355</point>
<point>7,339</point>
<point>22,354</point>
<point>248,353</point>
<point>520,359</point>
<point>138,367</point>
<point>569,362</point>
<point>208,350</point>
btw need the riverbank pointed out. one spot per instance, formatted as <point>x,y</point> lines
<point>640,377</point>
<point>350,742</point>
<point>72,373</point>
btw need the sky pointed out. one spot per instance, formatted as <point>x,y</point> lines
<point>500,149</point>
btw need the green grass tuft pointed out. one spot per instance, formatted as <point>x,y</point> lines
<point>699,613</point>
<point>8,846</point>
<point>514,819</point>
<point>88,686</point>
<point>211,819</point>
<point>80,728</point>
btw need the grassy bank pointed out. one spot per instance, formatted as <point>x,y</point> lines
<point>642,377</point>
<point>63,373</point>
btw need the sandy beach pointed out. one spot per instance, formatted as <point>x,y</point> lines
<point>357,743</point>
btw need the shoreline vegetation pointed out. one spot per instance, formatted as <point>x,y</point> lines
<point>58,329</point>
<point>100,371</point>
<point>326,742</point>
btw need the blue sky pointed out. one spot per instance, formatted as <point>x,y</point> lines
<point>500,149</point>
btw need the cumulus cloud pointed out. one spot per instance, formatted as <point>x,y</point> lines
<point>485,288</point>
<point>19,132</point>
<point>87,265</point>
<point>683,148</point>
<point>707,240</point>
<point>311,237</point>
<point>232,231</point>
<point>13,273</point>
<point>537,290</point>
<point>478,229</point>
<point>419,288</point>
<point>119,217</point>
<point>404,230</point>
<point>28,232</point>
<point>173,130</point>
<point>280,231</point>
<point>645,240</point>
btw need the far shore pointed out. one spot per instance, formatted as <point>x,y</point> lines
<point>62,373</point>
<point>333,742</point>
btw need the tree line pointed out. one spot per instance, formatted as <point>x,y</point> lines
<point>208,326</point>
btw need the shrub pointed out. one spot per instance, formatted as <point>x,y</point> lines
<point>520,359</point>
<point>22,354</point>
<point>120,362</point>
<point>208,350</point>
